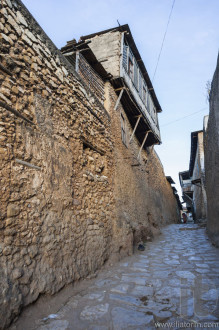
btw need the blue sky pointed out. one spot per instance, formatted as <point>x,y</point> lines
<point>187,62</point>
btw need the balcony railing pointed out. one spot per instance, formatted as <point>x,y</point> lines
<point>87,73</point>
<point>135,81</point>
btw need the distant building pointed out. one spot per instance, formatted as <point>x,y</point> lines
<point>197,175</point>
<point>193,181</point>
<point>170,180</point>
<point>187,192</point>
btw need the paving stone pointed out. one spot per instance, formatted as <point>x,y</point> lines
<point>142,270</point>
<point>94,312</point>
<point>202,270</point>
<point>154,283</point>
<point>136,280</point>
<point>140,265</point>
<point>202,265</point>
<point>212,294</point>
<point>105,283</point>
<point>95,296</point>
<point>140,290</point>
<point>98,327</point>
<point>122,288</point>
<point>195,258</point>
<point>157,284</point>
<point>125,299</point>
<point>162,315</point>
<point>185,274</point>
<point>169,292</point>
<point>55,325</point>
<point>172,262</point>
<point>123,318</point>
<point>153,305</point>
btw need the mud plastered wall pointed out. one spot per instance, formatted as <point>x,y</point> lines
<point>144,198</point>
<point>56,168</point>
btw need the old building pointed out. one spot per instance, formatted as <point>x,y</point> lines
<point>129,98</point>
<point>179,205</point>
<point>193,181</point>
<point>187,192</point>
<point>115,49</point>
<point>197,175</point>
<point>212,160</point>
<point>80,179</point>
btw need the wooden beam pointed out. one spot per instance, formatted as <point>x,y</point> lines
<point>119,98</point>
<point>91,146</point>
<point>5,70</point>
<point>15,112</point>
<point>137,116</point>
<point>136,125</point>
<point>142,145</point>
<point>118,89</point>
<point>22,162</point>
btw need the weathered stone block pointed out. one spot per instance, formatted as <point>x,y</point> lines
<point>12,210</point>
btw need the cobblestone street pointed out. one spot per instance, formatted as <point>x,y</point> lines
<point>156,285</point>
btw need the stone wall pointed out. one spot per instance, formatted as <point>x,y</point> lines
<point>212,161</point>
<point>144,198</point>
<point>72,195</point>
<point>56,180</point>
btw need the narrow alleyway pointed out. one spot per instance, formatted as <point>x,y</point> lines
<point>174,279</point>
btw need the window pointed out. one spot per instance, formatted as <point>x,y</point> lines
<point>140,82</point>
<point>125,57</point>
<point>123,130</point>
<point>144,94</point>
<point>136,74</point>
<point>148,103</point>
<point>131,69</point>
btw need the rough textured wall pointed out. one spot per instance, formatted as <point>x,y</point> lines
<point>144,198</point>
<point>199,193</point>
<point>72,196</point>
<point>107,49</point>
<point>56,174</point>
<point>212,161</point>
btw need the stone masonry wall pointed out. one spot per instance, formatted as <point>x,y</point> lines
<point>144,198</point>
<point>71,195</point>
<point>212,161</point>
<point>56,174</point>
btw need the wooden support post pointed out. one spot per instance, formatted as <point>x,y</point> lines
<point>142,145</point>
<point>119,98</point>
<point>136,125</point>
<point>118,89</point>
